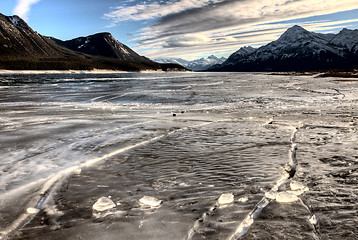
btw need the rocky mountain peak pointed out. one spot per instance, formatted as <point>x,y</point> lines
<point>295,33</point>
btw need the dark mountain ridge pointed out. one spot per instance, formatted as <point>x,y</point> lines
<point>21,48</point>
<point>298,50</point>
<point>104,45</point>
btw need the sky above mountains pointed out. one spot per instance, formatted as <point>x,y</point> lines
<point>184,28</point>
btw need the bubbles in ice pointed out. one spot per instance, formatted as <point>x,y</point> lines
<point>103,204</point>
<point>286,197</point>
<point>226,198</point>
<point>31,210</point>
<point>150,201</point>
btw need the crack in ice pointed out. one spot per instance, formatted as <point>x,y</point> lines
<point>290,172</point>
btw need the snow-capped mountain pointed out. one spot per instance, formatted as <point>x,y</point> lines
<point>347,39</point>
<point>297,49</point>
<point>205,63</point>
<point>179,61</point>
<point>195,65</point>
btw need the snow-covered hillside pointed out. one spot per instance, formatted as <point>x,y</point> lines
<point>195,65</point>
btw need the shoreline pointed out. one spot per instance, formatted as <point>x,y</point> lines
<point>344,73</point>
<point>4,71</point>
<point>95,71</point>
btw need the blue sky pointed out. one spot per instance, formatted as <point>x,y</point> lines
<point>183,28</point>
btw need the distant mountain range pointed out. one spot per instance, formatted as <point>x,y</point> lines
<point>21,48</point>
<point>195,65</point>
<point>297,50</point>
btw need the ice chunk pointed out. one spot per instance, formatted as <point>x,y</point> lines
<point>297,192</point>
<point>271,194</point>
<point>31,210</point>
<point>286,197</point>
<point>244,199</point>
<point>226,198</point>
<point>103,204</point>
<point>313,219</point>
<point>298,186</point>
<point>150,201</point>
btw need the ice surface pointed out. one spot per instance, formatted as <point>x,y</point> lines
<point>150,201</point>
<point>118,128</point>
<point>103,204</point>
<point>226,198</point>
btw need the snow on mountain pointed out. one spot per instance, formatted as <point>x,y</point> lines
<point>347,38</point>
<point>296,41</point>
<point>239,54</point>
<point>18,22</point>
<point>297,49</point>
<point>179,61</point>
<point>204,63</point>
<point>195,65</point>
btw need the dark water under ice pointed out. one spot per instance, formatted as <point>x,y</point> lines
<point>67,140</point>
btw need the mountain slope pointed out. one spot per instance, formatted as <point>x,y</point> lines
<point>18,40</point>
<point>104,45</point>
<point>298,49</point>
<point>347,39</point>
<point>239,55</point>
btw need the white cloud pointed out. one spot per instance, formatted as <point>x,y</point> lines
<point>23,7</point>
<point>155,10</point>
<point>221,24</point>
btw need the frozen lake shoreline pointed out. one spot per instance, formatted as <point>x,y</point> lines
<point>184,139</point>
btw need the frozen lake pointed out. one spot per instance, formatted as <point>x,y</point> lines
<point>68,139</point>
